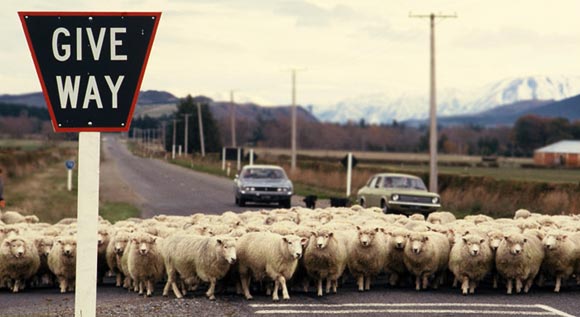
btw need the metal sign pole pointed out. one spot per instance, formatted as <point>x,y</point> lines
<point>87,224</point>
<point>348,174</point>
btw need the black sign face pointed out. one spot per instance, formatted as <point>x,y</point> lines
<point>90,65</point>
<point>344,161</point>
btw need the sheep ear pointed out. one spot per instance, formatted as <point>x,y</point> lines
<point>219,241</point>
<point>312,233</point>
<point>284,239</point>
<point>358,228</point>
<point>331,234</point>
<point>464,240</point>
<point>377,229</point>
<point>303,241</point>
<point>59,241</point>
<point>525,240</point>
<point>482,241</point>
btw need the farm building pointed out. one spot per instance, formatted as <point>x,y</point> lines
<point>563,153</point>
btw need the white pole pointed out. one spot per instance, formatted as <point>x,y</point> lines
<point>186,132</point>
<point>348,174</point>
<point>239,166</point>
<point>201,142</point>
<point>69,180</point>
<point>87,224</point>
<point>223,158</point>
<point>173,146</point>
<point>179,151</point>
<point>251,157</point>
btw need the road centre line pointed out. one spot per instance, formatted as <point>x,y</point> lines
<point>396,308</point>
<point>407,311</point>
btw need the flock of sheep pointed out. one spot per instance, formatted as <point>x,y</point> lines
<point>297,248</point>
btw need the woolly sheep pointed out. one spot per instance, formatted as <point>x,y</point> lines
<point>562,252</point>
<point>43,245</point>
<point>522,214</point>
<point>394,265</point>
<point>470,260</point>
<point>114,252</point>
<point>12,217</point>
<point>518,258</point>
<point>145,262</point>
<point>426,254</point>
<point>207,259</point>
<point>366,255</point>
<point>62,261</point>
<point>103,239</point>
<point>19,261</point>
<point>325,258</point>
<point>265,254</point>
<point>441,217</point>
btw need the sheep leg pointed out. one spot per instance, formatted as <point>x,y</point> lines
<point>367,283</point>
<point>541,280</point>
<point>418,282</point>
<point>455,282</point>
<point>16,286</point>
<point>210,292</point>
<point>426,281</point>
<point>558,283</point>
<point>245,280</point>
<point>150,288</point>
<point>176,291</point>
<point>328,284</point>
<point>465,285</point>
<point>360,283</point>
<point>275,293</point>
<point>393,279</point>
<point>62,284</point>
<point>472,286</point>
<point>305,285</point>
<point>285,294</point>
<point>118,279</point>
<point>319,287</point>
<point>519,285</point>
<point>239,290</point>
<point>528,285</point>
<point>141,286</point>
<point>495,278</point>
<point>509,285</point>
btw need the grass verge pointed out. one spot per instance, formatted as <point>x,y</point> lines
<point>115,211</point>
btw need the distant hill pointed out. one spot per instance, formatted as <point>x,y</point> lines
<point>507,115</point>
<point>156,103</point>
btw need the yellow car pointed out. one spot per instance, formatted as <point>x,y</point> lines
<point>398,193</point>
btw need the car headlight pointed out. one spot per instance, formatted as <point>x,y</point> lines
<point>435,200</point>
<point>395,197</point>
<point>249,189</point>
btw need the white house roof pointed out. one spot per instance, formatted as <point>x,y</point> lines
<point>566,146</point>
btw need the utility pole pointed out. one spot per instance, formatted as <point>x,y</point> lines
<point>173,146</point>
<point>201,142</point>
<point>233,118</point>
<point>432,102</point>
<point>186,132</point>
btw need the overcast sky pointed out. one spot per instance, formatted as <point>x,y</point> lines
<point>343,48</point>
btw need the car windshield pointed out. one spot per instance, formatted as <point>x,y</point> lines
<point>263,173</point>
<point>403,182</point>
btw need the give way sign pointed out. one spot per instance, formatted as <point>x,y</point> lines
<point>90,65</point>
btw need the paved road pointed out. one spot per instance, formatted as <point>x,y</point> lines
<point>169,189</point>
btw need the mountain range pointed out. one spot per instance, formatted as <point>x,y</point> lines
<point>384,108</point>
<point>498,103</point>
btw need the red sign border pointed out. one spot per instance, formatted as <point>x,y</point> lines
<point>23,14</point>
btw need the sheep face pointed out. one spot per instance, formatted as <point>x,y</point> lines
<point>322,238</point>
<point>494,240</point>
<point>102,239</point>
<point>553,240</point>
<point>16,246</point>
<point>294,245</point>
<point>515,244</point>
<point>144,244</point>
<point>68,247</point>
<point>44,246</point>
<point>399,239</point>
<point>366,236</point>
<point>473,244</point>
<point>227,249</point>
<point>417,242</point>
<point>120,245</point>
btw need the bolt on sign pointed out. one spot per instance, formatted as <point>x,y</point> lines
<point>90,65</point>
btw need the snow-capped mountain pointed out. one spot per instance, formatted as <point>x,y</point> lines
<point>384,108</point>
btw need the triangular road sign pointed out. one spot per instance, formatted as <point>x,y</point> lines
<point>90,65</point>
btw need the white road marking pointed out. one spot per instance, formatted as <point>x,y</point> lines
<point>399,308</point>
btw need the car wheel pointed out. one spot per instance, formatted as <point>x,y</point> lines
<point>242,202</point>
<point>362,203</point>
<point>287,203</point>
<point>384,206</point>
<point>237,201</point>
